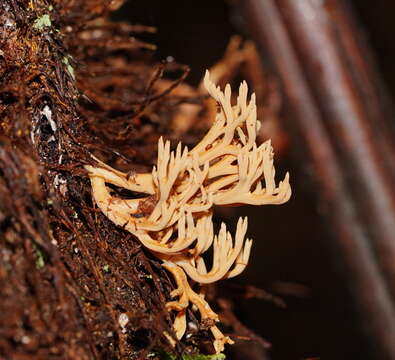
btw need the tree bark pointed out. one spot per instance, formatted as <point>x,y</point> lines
<point>67,274</point>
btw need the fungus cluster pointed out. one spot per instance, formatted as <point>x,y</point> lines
<point>173,217</point>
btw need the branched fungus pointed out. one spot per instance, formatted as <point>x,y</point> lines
<point>226,167</point>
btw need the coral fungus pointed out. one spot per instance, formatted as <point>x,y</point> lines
<point>173,217</point>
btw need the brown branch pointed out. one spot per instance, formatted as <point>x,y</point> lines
<point>331,90</point>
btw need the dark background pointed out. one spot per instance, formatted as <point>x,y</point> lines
<point>291,244</point>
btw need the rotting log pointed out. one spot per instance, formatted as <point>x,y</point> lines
<point>341,116</point>
<point>72,284</point>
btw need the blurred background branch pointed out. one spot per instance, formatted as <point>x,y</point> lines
<point>341,117</point>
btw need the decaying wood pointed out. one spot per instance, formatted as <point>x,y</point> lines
<point>72,284</point>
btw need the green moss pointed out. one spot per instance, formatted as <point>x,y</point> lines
<point>40,257</point>
<point>70,69</point>
<point>42,21</point>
